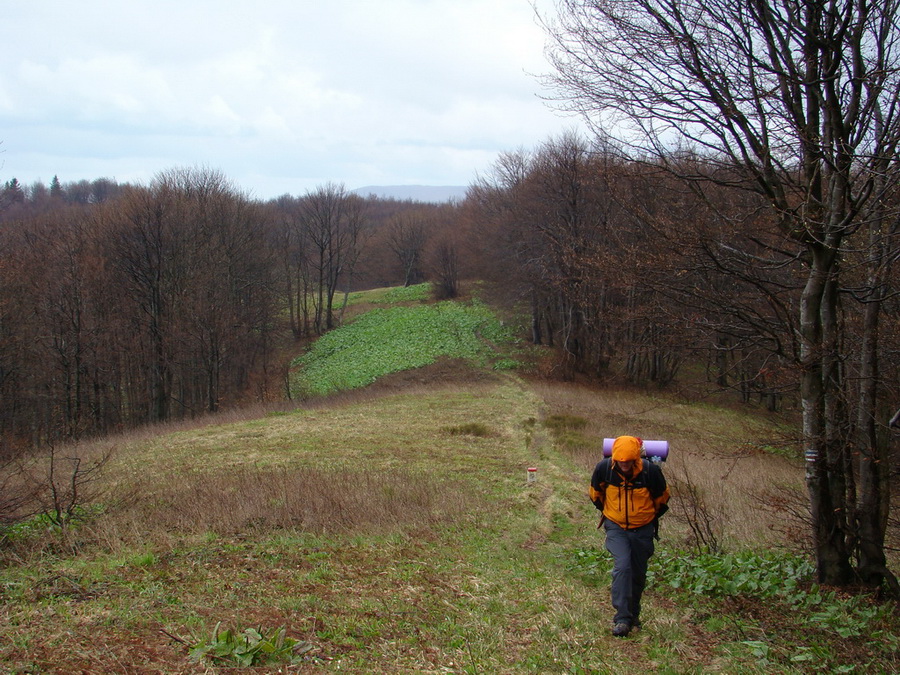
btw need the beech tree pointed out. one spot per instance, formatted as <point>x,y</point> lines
<point>151,255</point>
<point>64,309</point>
<point>332,219</point>
<point>798,101</point>
<point>407,236</point>
<point>224,307</point>
<point>506,241</point>
<point>446,263</point>
<point>293,243</point>
<point>567,207</point>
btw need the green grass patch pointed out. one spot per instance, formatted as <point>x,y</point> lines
<point>570,433</point>
<point>394,339</point>
<point>391,295</point>
<point>416,293</point>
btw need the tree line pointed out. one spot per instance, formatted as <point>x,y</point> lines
<point>17,197</point>
<point>631,272</point>
<point>170,300</point>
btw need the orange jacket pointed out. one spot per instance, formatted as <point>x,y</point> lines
<point>632,501</point>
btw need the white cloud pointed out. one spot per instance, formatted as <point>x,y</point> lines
<point>275,93</point>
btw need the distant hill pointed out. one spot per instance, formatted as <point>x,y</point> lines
<point>417,193</point>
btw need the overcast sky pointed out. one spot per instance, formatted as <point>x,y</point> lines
<point>282,96</point>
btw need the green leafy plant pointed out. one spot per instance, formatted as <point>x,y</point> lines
<point>782,578</point>
<point>589,561</point>
<point>250,647</point>
<point>745,573</point>
<point>393,339</point>
<point>507,364</point>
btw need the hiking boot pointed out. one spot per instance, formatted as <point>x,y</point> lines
<point>621,630</point>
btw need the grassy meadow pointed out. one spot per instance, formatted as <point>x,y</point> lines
<point>391,528</point>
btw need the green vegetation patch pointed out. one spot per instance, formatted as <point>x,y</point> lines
<point>391,295</point>
<point>469,429</point>
<point>417,293</point>
<point>559,423</point>
<point>764,609</point>
<point>394,339</point>
<point>570,433</point>
<point>250,647</point>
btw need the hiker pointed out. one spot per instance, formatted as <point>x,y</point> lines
<point>631,493</point>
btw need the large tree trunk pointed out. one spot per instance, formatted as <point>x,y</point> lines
<point>873,504</point>
<point>822,461</point>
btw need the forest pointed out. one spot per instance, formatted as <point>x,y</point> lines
<point>124,304</point>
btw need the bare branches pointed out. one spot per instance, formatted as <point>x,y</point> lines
<point>691,506</point>
<point>68,486</point>
<point>790,99</point>
<point>407,236</point>
<point>57,488</point>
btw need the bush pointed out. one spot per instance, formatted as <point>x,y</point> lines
<point>470,429</point>
<point>561,423</point>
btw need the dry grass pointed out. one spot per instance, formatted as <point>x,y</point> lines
<point>341,501</point>
<point>719,452</point>
<point>367,464</point>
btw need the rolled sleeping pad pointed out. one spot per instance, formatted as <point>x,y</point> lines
<point>655,451</point>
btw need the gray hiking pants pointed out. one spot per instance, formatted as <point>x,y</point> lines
<point>631,551</point>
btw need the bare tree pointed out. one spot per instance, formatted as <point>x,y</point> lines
<point>334,224</point>
<point>354,236</point>
<point>154,304</point>
<point>799,102</point>
<point>68,485</point>
<point>446,269</point>
<point>18,494</point>
<point>407,236</point>
<point>152,258</point>
<point>510,244</point>
<point>292,241</point>
<point>578,257</point>
<point>224,309</point>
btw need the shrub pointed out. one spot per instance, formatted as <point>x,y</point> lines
<point>470,429</point>
<point>561,423</point>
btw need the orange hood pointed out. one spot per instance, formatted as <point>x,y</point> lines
<point>626,448</point>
